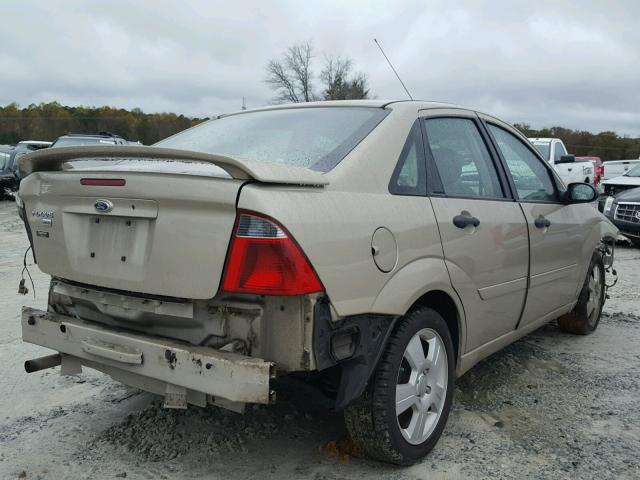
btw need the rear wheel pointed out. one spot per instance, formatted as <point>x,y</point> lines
<point>403,412</point>
<point>585,316</point>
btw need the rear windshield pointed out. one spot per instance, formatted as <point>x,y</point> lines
<point>72,141</point>
<point>317,138</point>
<point>543,148</point>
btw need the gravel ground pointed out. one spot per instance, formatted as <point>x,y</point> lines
<point>549,406</point>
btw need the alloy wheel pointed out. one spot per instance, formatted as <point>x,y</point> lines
<point>422,385</point>
<point>594,286</point>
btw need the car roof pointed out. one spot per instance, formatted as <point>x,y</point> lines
<point>375,103</point>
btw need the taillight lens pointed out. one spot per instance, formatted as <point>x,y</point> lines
<point>265,260</point>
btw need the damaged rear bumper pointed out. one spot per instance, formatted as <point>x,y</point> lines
<point>181,372</point>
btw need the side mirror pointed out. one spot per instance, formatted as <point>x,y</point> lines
<point>566,159</point>
<point>580,193</point>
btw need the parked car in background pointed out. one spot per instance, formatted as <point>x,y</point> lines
<point>32,145</point>
<point>613,187</point>
<point>555,153</point>
<point>615,168</point>
<point>9,178</point>
<point>6,149</point>
<point>624,211</point>
<point>5,153</point>
<point>616,185</point>
<point>102,138</point>
<point>372,250</point>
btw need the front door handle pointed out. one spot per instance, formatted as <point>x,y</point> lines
<point>542,222</point>
<point>462,221</point>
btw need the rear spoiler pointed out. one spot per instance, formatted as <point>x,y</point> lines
<point>47,160</point>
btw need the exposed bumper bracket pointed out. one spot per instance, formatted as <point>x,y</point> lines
<point>179,371</point>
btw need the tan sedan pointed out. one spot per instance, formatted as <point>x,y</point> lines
<point>372,250</point>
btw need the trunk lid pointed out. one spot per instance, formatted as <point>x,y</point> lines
<point>161,228</point>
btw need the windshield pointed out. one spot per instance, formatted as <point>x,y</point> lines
<point>317,138</point>
<point>543,148</point>
<point>634,172</point>
<point>72,141</point>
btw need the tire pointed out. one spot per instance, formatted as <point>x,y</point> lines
<point>585,316</point>
<point>372,421</point>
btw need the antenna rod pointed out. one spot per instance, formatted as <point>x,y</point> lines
<point>394,70</point>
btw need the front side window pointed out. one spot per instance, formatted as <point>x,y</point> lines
<point>313,137</point>
<point>462,159</point>
<point>532,179</point>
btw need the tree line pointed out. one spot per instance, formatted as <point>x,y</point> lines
<point>48,121</point>
<point>606,145</point>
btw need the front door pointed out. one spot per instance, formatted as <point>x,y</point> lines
<point>555,231</point>
<point>483,231</point>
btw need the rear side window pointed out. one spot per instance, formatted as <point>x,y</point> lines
<point>530,176</point>
<point>313,137</point>
<point>409,176</point>
<point>559,151</point>
<point>544,148</point>
<point>462,159</point>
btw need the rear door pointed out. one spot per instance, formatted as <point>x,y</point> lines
<point>483,230</point>
<point>555,229</point>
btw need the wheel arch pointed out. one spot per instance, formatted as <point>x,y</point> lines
<point>443,303</point>
<point>425,282</point>
<point>601,230</point>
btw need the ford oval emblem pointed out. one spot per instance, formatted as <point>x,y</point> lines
<point>103,206</point>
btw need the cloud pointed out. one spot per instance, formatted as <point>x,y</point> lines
<point>573,64</point>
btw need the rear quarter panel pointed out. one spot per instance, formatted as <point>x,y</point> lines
<point>335,231</point>
<point>334,226</point>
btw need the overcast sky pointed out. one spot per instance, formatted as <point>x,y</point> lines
<point>570,63</point>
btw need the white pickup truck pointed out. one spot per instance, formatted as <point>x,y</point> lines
<point>570,171</point>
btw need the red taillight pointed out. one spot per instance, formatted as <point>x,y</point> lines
<point>103,182</point>
<point>265,260</point>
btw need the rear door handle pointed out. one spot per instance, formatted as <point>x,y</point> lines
<point>462,221</point>
<point>542,222</point>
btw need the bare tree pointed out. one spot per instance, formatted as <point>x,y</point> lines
<point>338,82</point>
<point>291,77</point>
<point>280,80</point>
